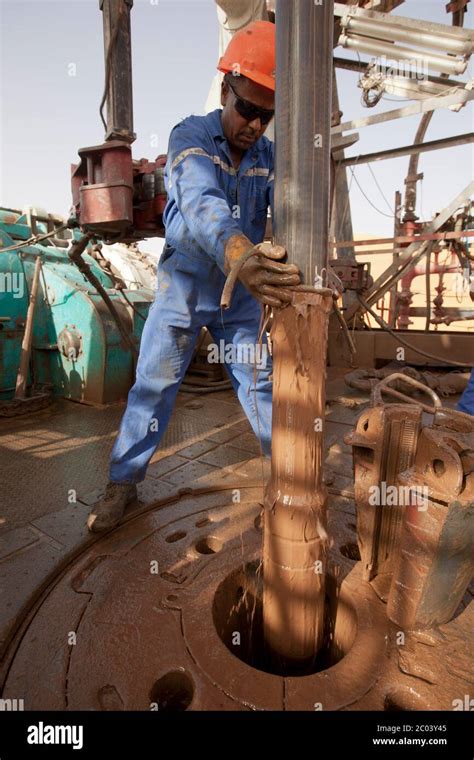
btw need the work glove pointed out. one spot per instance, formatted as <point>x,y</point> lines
<point>263,274</point>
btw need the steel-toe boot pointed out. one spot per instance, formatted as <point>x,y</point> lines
<point>108,511</point>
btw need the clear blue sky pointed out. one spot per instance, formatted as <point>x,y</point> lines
<point>46,114</point>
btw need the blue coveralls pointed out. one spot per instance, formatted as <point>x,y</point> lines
<point>208,202</point>
<point>466,402</point>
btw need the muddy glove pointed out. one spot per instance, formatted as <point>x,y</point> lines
<point>263,274</point>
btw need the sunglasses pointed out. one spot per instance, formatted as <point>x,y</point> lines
<point>249,111</point>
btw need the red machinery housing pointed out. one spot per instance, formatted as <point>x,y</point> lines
<point>116,197</point>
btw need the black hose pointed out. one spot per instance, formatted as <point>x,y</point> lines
<point>132,305</point>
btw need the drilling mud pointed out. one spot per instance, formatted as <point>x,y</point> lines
<point>295,529</point>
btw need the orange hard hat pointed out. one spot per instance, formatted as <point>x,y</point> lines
<point>251,53</point>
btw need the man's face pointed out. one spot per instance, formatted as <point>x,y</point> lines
<point>241,133</point>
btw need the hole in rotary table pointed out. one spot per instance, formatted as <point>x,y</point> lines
<point>202,522</point>
<point>177,536</point>
<point>351,551</point>
<point>439,467</point>
<point>208,545</point>
<point>173,691</point>
<point>172,598</point>
<point>237,613</point>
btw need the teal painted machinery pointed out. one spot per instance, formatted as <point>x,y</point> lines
<point>77,348</point>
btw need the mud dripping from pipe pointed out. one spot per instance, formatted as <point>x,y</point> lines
<point>295,535</point>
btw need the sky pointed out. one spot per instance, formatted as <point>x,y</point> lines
<point>52,77</point>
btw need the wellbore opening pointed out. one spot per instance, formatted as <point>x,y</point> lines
<point>238,618</point>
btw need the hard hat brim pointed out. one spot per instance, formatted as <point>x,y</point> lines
<point>255,76</point>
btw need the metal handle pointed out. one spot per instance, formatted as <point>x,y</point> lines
<point>384,386</point>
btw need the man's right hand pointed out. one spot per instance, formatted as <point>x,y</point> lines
<point>263,274</point>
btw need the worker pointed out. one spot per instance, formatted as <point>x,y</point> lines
<point>219,180</point>
<point>466,402</point>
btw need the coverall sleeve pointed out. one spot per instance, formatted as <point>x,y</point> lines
<point>194,186</point>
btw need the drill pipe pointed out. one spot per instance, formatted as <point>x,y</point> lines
<point>303,101</point>
<point>295,539</point>
<point>118,69</point>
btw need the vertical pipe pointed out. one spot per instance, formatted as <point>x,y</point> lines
<point>342,218</point>
<point>118,68</point>
<point>303,100</point>
<point>295,540</point>
<point>22,377</point>
<point>393,306</point>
